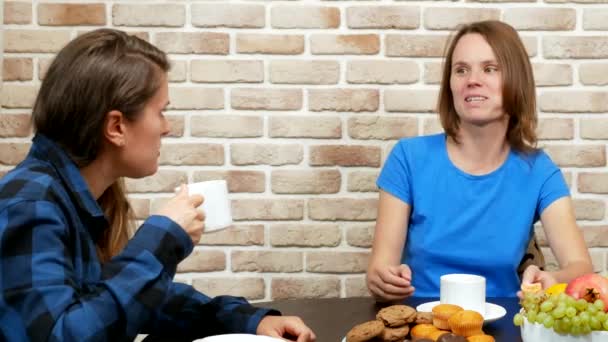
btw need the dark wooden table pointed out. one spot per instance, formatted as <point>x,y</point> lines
<point>332,318</point>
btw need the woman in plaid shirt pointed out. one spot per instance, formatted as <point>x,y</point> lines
<point>69,268</point>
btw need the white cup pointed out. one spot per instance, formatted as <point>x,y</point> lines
<point>216,204</point>
<point>465,290</point>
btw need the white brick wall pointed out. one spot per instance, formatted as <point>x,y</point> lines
<point>297,103</point>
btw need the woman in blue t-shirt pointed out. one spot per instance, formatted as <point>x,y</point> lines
<point>466,201</point>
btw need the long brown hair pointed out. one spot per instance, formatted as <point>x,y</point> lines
<point>99,71</point>
<point>518,92</point>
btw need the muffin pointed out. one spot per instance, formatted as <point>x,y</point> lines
<point>451,338</point>
<point>435,335</point>
<point>420,331</point>
<point>480,338</point>
<point>441,314</point>
<point>466,323</point>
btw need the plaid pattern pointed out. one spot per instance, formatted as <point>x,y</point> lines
<point>53,286</point>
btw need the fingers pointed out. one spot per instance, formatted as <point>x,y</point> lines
<point>196,200</point>
<point>393,277</point>
<point>296,327</point>
<point>405,272</point>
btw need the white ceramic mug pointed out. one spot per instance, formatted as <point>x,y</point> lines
<point>216,204</point>
<point>465,290</point>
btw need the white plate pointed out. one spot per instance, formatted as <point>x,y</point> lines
<point>493,311</point>
<point>238,338</point>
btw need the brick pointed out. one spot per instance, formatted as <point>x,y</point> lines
<point>13,153</point>
<point>336,262</point>
<point>344,155</point>
<point>304,17</point>
<point>161,181</point>
<point>191,154</point>
<point>265,154</point>
<point>362,181</point>
<point>43,67</point>
<point>555,128</point>
<point>578,155</point>
<point>575,47</point>
<point>343,100</point>
<point>71,14</point>
<point>356,287</point>
<point>305,235</point>
<point>595,236</point>
<point>228,15</point>
<point>166,15</point>
<point>15,125</point>
<point>344,44</point>
<point>414,45</point>
<point>530,44</point>
<point>381,127</point>
<point>227,71</point>
<point>597,258</point>
<point>18,95</point>
<point>17,12</point>
<point>178,71</point>
<point>574,101</point>
<point>203,261</point>
<point>383,17</point>
<point>140,207</point>
<point>265,209</point>
<point>545,19</point>
<point>305,181</point>
<point>266,99</point>
<point>177,125</point>
<point>17,69</point>
<point>593,182</point>
<point>318,127</point>
<point>236,235</point>
<point>431,126</point>
<point>360,235</point>
<point>250,288</point>
<point>552,74</point>
<point>594,128</point>
<point>589,209</point>
<point>267,261</point>
<point>34,40</point>
<point>421,101</point>
<point>433,71</point>
<point>444,18</point>
<point>382,72</point>
<point>278,44</point>
<point>308,287</point>
<point>210,43</point>
<point>343,209</point>
<point>196,98</point>
<point>593,73</point>
<point>304,72</point>
<point>595,19</point>
<point>238,180</point>
<point>499,1</point>
<point>227,126</point>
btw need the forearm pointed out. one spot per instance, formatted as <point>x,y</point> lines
<point>572,270</point>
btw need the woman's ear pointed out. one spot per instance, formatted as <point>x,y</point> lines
<point>114,128</point>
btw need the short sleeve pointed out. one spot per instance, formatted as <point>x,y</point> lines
<point>395,177</point>
<point>554,186</point>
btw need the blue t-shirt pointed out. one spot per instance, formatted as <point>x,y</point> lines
<point>462,223</point>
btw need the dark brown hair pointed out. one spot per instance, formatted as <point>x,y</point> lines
<point>518,92</point>
<point>97,72</point>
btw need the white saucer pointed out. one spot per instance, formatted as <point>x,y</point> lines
<point>238,338</point>
<point>493,311</point>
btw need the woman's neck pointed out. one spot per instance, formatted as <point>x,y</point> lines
<point>98,176</point>
<point>480,150</point>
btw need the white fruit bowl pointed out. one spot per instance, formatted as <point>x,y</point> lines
<point>538,333</point>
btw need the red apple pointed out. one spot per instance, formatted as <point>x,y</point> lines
<point>589,287</point>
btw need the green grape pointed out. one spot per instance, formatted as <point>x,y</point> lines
<point>546,306</point>
<point>585,328</point>
<point>575,330</point>
<point>581,304</point>
<point>518,319</point>
<point>592,309</point>
<point>595,323</point>
<point>570,311</point>
<point>548,322</point>
<point>601,316</point>
<point>605,324</point>
<point>558,312</point>
<point>540,318</point>
<point>599,304</point>
<point>576,321</point>
<point>566,323</point>
<point>532,316</point>
<point>584,316</point>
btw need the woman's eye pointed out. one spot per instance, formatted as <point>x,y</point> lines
<point>491,69</point>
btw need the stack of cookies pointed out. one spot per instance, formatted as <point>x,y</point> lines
<point>447,323</point>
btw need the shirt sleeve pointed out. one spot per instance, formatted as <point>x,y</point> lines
<point>553,187</point>
<point>39,283</point>
<point>395,175</point>
<point>191,314</point>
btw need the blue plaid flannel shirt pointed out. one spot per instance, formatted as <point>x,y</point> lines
<point>54,288</point>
